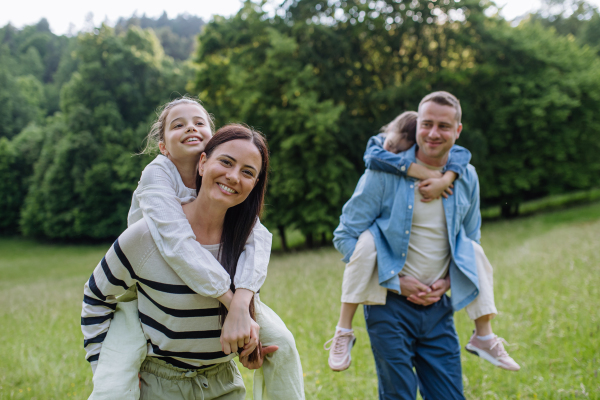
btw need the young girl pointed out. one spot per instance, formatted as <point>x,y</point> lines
<point>361,283</point>
<point>181,132</point>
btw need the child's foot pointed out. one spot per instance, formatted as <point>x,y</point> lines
<point>492,350</point>
<point>339,350</point>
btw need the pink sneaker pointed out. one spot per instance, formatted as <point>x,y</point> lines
<point>493,351</point>
<point>339,350</point>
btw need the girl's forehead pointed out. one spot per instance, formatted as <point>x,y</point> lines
<point>186,110</point>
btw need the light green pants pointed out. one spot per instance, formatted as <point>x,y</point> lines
<point>280,377</point>
<point>124,350</point>
<point>161,381</point>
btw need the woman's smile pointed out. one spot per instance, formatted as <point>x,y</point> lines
<point>233,168</point>
<point>226,189</point>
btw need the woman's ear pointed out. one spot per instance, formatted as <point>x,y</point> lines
<point>162,148</point>
<point>201,164</point>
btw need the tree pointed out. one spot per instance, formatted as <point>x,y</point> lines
<point>253,70</point>
<point>83,180</point>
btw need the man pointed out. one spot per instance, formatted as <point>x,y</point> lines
<point>418,245</point>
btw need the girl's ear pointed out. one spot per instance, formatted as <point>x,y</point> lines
<point>201,164</point>
<point>162,148</point>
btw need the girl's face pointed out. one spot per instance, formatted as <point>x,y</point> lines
<point>231,172</point>
<point>187,130</point>
<point>396,143</point>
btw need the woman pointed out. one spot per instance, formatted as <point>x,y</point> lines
<point>185,358</point>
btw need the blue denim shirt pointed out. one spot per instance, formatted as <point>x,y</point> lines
<point>383,203</point>
<point>382,160</point>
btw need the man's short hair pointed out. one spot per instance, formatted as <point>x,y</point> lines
<point>444,99</point>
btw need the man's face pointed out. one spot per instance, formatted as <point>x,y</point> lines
<point>437,130</point>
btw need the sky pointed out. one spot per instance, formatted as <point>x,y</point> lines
<point>64,15</point>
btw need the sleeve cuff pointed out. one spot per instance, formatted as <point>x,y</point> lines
<point>250,288</point>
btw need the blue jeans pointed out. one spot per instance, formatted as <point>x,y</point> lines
<point>405,335</point>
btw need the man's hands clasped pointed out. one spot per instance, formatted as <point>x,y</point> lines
<point>421,294</point>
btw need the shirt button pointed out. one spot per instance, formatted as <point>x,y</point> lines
<point>409,207</point>
<point>403,254</point>
<point>402,168</point>
<point>392,273</point>
<point>411,186</point>
<point>406,232</point>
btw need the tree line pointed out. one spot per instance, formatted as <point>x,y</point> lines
<point>318,78</point>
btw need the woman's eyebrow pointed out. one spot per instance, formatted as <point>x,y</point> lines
<point>234,160</point>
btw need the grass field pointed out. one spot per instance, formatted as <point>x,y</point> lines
<point>547,285</point>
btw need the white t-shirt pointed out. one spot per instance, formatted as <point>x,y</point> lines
<point>429,255</point>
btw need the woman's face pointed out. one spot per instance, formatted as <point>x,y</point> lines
<point>231,172</point>
<point>187,130</point>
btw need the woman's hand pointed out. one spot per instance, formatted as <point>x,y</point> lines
<point>263,351</point>
<point>237,329</point>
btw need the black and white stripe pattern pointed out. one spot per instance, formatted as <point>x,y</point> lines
<point>180,326</point>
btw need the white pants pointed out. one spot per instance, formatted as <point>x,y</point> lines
<point>360,284</point>
<point>124,349</point>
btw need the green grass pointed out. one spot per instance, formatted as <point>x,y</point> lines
<point>548,203</point>
<point>547,287</point>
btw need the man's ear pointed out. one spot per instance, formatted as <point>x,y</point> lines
<point>458,130</point>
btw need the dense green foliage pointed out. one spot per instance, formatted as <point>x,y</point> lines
<point>318,78</point>
<point>177,35</point>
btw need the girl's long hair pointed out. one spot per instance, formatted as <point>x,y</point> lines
<point>239,219</point>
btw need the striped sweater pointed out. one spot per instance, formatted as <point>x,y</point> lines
<point>180,326</point>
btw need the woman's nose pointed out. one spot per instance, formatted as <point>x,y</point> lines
<point>232,177</point>
<point>191,128</point>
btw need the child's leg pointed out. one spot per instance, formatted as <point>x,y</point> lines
<point>281,374</point>
<point>360,285</point>
<point>122,353</point>
<point>482,310</point>
<point>347,315</point>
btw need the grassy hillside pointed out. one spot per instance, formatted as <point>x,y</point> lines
<point>547,285</point>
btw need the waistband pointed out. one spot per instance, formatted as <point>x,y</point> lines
<point>160,368</point>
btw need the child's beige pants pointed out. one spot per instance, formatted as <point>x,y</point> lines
<point>124,350</point>
<point>360,284</point>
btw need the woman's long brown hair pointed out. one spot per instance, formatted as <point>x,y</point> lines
<point>239,219</point>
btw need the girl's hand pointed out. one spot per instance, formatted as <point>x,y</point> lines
<point>254,340</point>
<point>236,331</point>
<point>432,189</point>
